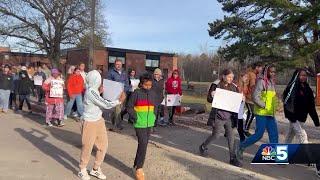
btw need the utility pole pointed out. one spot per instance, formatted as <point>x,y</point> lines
<point>92,28</point>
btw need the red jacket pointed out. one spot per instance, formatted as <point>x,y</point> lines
<point>173,86</point>
<point>75,85</point>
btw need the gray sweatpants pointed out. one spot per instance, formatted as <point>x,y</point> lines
<point>218,130</point>
<point>296,129</point>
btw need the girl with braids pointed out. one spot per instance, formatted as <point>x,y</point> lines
<point>265,100</point>
<point>298,102</point>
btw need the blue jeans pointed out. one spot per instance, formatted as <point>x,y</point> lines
<point>4,99</point>
<point>78,99</point>
<point>262,123</point>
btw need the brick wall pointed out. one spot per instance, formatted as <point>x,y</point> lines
<point>136,61</point>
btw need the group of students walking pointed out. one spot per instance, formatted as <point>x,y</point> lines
<point>144,108</point>
<point>84,90</point>
<point>260,99</point>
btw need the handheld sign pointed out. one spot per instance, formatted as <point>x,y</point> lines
<point>134,84</point>
<point>38,80</point>
<point>112,89</point>
<point>227,100</point>
<point>172,100</point>
<point>56,89</point>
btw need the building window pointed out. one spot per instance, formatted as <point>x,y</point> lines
<point>113,55</point>
<point>152,62</point>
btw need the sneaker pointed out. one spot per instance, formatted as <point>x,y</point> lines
<point>139,174</point>
<point>171,123</point>
<point>74,114</point>
<point>235,162</point>
<point>65,117</point>
<point>318,170</point>
<point>98,174</point>
<point>60,123</point>
<point>203,150</point>
<point>49,124</point>
<point>83,175</point>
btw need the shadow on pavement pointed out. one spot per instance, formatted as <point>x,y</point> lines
<point>38,139</point>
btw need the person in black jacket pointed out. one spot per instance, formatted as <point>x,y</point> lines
<point>298,102</point>
<point>224,120</point>
<point>24,89</point>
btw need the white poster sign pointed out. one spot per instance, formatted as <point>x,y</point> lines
<point>38,80</point>
<point>134,84</point>
<point>56,89</point>
<point>112,89</point>
<point>227,100</point>
<point>172,100</point>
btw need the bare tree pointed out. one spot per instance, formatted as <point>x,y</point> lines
<point>45,25</point>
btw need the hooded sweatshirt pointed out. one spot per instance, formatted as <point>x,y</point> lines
<point>264,95</point>
<point>142,107</point>
<point>173,85</point>
<point>92,99</point>
<point>298,101</point>
<point>75,84</point>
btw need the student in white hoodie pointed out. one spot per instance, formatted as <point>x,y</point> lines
<point>93,126</point>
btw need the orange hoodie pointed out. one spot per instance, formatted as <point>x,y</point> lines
<point>75,85</point>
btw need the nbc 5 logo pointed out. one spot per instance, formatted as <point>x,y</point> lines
<point>278,153</point>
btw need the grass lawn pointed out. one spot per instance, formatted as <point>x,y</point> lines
<point>196,99</point>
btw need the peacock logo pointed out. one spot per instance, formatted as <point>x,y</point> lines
<point>268,151</point>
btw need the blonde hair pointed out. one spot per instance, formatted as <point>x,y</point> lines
<point>157,71</point>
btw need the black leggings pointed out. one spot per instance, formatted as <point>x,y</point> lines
<point>250,116</point>
<point>240,130</point>
<point>143,135</point>
<point>23,98</point>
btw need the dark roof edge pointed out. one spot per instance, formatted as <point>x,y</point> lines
<point>124,50</point>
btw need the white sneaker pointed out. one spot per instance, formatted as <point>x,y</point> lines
<point>98,174</point>
<point>49,124</point>
<point>83,175</point>
<point>65,117</point>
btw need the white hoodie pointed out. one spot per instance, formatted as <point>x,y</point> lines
<point>92,99</point>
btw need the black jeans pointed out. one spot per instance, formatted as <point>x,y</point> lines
<point>171,113</point>
<point>143,135</point>
<point>240,130</point>
<point>40,93</point>
<point>159,113</point>
<point>23,98</point>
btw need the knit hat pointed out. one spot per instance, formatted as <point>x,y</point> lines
<point>54,71</point>
<point>157,71</point>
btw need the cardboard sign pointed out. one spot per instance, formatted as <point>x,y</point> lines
<point>227,100</point>
<point>56,89</point>
<point>134,84</point>
<point>112,89</point>
<point>172,100</point>
<point>38,80</point>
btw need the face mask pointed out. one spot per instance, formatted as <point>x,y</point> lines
<point>23,75</point>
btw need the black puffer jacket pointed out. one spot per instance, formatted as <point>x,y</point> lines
<point>299,101</point>
<point>24,84</point>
